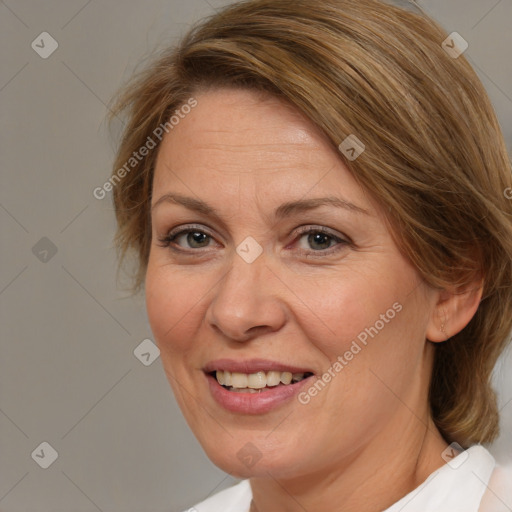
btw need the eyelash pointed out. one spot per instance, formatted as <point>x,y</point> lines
<point>168,239</point>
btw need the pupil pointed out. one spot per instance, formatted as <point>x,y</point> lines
<point>195,237</point>
<point>318,237</point>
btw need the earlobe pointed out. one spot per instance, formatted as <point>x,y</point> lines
<point>453,311</point>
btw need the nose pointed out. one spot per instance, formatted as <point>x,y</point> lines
<point>246,302</point>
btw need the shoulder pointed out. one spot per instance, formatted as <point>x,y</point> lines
<point>458,486</point>
<point>233,499</point>
<point>498,494</point>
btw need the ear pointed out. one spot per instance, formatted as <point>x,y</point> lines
<point>454,309</point>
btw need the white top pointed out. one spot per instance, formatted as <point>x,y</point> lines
<point>458,486</point>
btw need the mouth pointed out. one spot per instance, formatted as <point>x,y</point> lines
<point>258,382</point>
<point>254,386</point>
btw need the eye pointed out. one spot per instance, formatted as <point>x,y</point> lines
<point>194,238</point>
<point>320,240</point>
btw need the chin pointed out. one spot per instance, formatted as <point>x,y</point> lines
<point>242,457</point>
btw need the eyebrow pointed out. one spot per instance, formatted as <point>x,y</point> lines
<point>285,210</point>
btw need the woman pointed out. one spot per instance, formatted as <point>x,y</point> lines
<point>315,194</point>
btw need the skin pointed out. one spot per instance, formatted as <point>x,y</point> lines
<point>367,438</point>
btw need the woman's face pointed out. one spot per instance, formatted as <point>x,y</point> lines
<point>289,268</point>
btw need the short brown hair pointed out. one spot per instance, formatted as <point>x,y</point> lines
<point>435,156</point>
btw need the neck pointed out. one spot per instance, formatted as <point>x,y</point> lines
<point>379,474</point>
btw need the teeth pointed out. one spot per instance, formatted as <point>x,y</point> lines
<point>221,379</point>
<point>286,377</point>
<point>273,378</point>
<point>239,380</point>
<point>256,381</point>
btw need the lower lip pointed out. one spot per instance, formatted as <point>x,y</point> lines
<point>254,403</point>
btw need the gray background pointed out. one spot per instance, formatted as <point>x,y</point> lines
<point>68,373</point>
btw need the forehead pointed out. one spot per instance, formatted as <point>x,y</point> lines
<point>233,121</point>
<point>241,142</point>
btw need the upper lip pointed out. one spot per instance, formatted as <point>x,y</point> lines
<point>252,366</point>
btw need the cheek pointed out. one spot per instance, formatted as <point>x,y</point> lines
<point>173,301</point>
<point>376,324</point>
<point>173,304</point>
<point>346,305</point>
